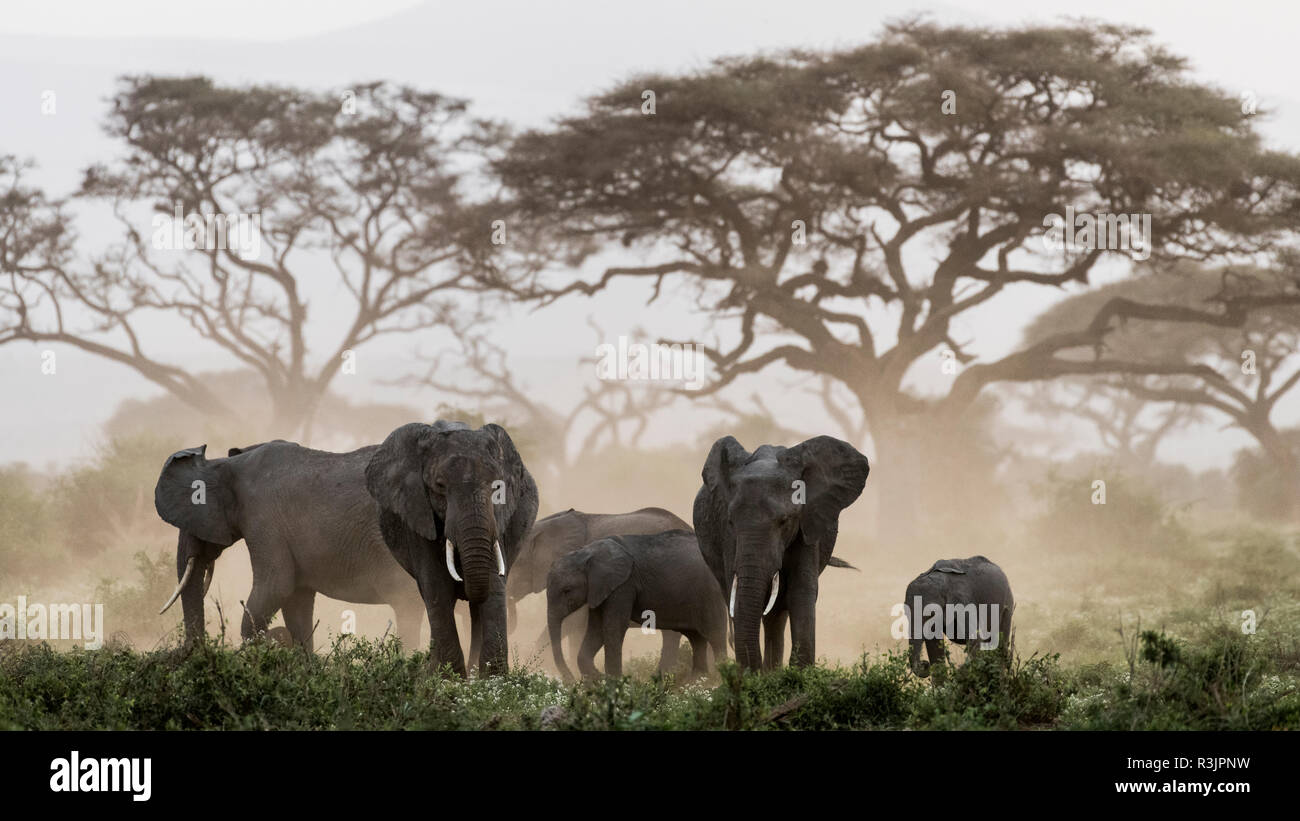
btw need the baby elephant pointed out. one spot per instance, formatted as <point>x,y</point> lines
<point>967,600</point>
<point>657,580</point>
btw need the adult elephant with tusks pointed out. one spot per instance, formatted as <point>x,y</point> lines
<point>309,524</point>
<point>766,523</point>
<point>455,505</point>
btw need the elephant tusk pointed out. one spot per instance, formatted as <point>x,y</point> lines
<point>731,608</point>
<point>207,578</point>
<point>776,588</point>
<point>501,560</point>
<point>451,562</point>
<point>189,568</point>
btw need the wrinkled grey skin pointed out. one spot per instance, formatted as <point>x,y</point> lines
<point>562,533</point>
<point>309,524</point>
<point>448,482</point>
<point>618,579</point>
<point>751,526</point>
<point>976,581</point>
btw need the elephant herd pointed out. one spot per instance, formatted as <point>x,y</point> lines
<point>454,508</point>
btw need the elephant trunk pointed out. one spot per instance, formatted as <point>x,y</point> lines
<point>480,553</point>
<point>750,592</point>
<point>512,615</point>
<point>913,609</point>
<point>194,566</point>
<point>555,616</point>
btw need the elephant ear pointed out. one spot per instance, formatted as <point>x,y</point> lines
<point>203,510</point>
<point>945,566</point>
<point>834,473</point>
<point>608,568</point>
<point>521,493</point>
<point>249,448</point>
<point>710,513</point>
<point>511,461</point>
<point>395,477</point>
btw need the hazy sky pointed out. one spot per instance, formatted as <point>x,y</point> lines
<point>523,61</point>
<point>232,20</point>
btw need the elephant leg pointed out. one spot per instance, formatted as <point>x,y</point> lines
<point>614,629</point>
<point>465,627</point>
<point>262,604</point>
<point>669,656</point>
<point>438,595</point>
<point>298,609</point>
<point>699,653</point>
<point>718,641</point>
<point>801,601</point>
<point>406,615</point>
<point>574,629</point>
<point>444,642</point>
<point>475,635</point>
<point>774,637</point>
<point>591,642</point>
<point>440,606</point>
<point>934,651</point>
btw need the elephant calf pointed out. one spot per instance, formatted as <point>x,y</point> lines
<point>966,600</point>
<point>633,579</point>
<point>562,533</point>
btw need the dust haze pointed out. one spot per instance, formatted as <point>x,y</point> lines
<point>1107,513</point>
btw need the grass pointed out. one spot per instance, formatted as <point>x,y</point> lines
<point>1220,680</point>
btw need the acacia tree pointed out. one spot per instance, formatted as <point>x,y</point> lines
<point>365,188</point>
<point>839,211</point>
<point>607,413</point>
<point>1128,427</point>
<point>1238,373</point>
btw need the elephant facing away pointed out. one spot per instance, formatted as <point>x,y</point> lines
<point>967,600</point>
<point>625,580</point>
<point>767,523</point>
<point>455,505</point>
<point>309,524</point>
<point>562,533</point>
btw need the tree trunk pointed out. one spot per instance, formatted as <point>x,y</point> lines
<point>1278,451</point>
<point>897,473</point>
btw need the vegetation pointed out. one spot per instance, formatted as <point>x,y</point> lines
<point>1225,681</point>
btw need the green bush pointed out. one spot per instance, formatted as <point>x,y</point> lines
<point>1221,681</point>
<point>1226,681</point>
<point>993,690</point>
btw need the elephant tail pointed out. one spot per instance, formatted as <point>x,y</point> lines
<point>834,562</point>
